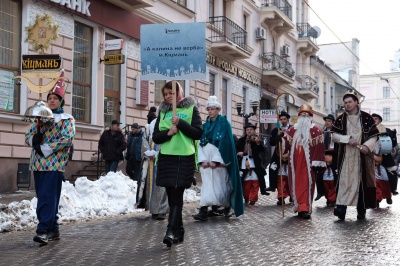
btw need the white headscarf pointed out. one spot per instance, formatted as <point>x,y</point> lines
<point>212,102</point>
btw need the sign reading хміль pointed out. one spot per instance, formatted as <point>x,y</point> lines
<point>173,51</point>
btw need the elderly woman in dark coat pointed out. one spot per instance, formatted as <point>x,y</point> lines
<point>176,160</point>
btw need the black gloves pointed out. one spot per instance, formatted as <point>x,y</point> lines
<point>37,139</point>
<point>38,149</point>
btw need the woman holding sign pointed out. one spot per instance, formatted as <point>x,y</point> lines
<point>176,160</point>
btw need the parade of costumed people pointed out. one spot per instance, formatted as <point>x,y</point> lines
<point>51,142</point>
<point>221,184</point>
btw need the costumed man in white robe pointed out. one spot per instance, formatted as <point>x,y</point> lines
<point>356,132</point>
<point>221,184</point>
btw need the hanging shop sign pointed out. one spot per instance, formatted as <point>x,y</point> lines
<point>41,62</point>
<point>268,116</point>
<point>113,59</point>
<point>117,44</point>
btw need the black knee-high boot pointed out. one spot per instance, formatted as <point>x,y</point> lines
<point>175,229</point>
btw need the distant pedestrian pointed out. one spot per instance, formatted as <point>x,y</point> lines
<point>112,144</point>
<point>134,152</point>
<point>177,158</point>
<point>219,168</point>
<point>152,114</point>
<point>50,144</point>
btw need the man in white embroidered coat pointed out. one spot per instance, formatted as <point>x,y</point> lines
<point>306,146</point>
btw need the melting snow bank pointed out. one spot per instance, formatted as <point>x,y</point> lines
<point>113,194</point>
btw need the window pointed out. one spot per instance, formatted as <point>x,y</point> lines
<point>211,8</point>
<point>325,96</point>
<point>212,84</point>
<point>386,92</point>
<point>82,74</point>
<point>332,102</point>
<point>159,84</point>
<point>386,114</point>
<point>224,100</point>
<point>10,47</point>
<point>112,88</point>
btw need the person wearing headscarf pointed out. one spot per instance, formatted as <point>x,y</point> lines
<point>51,141</point>
<point>176,162</point>
<point>219,168</point>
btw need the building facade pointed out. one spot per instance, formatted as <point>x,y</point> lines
<point>257,51</point>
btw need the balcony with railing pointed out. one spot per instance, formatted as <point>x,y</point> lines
<point>307,87</point>
<point>276,69</point>
<point>228,38</point>
<point>132,5</point>
<point>277,15</point>
<point>307,43</point>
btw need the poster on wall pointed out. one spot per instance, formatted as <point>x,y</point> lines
<point>6,90</point>
<point>173,51</point>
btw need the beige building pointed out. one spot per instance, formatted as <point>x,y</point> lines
<point>256,50</point>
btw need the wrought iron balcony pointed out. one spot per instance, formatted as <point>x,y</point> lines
<point>277,14</point>
<point>277,68</point>
<point>227,37</point>
<point>307,43</point>
<point>307,87</point>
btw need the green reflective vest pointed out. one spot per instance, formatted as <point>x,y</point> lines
<point>179,144</point>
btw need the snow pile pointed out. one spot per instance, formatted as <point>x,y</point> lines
<point>113,194</point>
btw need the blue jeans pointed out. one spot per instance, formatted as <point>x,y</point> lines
<point>48,190</point>
<point>111,166</point>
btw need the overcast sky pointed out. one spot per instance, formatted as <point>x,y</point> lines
<point>376,24</point>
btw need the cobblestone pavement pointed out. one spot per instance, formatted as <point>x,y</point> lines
<point>260,237</point>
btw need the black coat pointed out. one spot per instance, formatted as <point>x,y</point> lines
<point>112,146</point>
<point>177,170</point>
<point>273,141</point>
<point>256,150</point>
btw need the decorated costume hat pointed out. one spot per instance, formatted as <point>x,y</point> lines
<point>306,108</point>
<point>213,102</point>
<point>353,94</point>
<point>59,89</point>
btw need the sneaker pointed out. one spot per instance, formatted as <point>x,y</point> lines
<point>53,235</point>
<point>41,238</point>
<point>389,201</point>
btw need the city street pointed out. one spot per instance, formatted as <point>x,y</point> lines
<point>260,237</point>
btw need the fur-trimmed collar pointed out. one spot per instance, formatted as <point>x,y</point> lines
<point>185,102</point>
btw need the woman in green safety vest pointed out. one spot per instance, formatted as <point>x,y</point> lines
<point>176,161</point>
